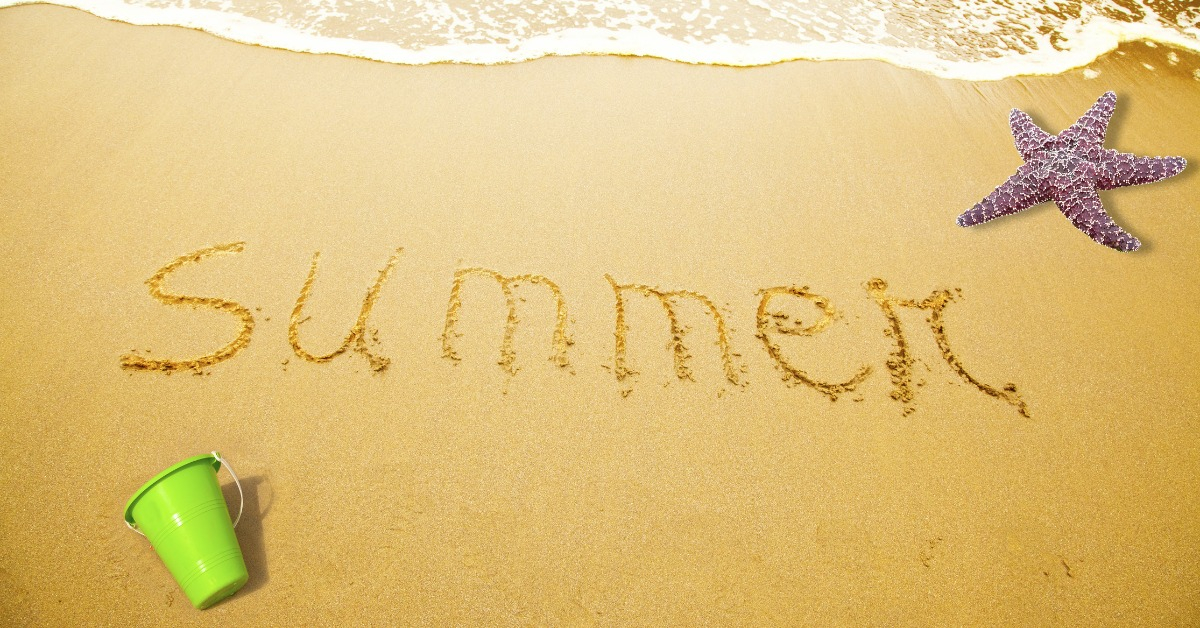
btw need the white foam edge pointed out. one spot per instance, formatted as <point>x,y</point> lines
<point>1102,35</point>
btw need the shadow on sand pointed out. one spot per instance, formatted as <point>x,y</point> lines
<point>256,488</point>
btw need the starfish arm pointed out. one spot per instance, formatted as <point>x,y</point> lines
<point>1081,205</point>
<point>1121,169</point>
<point>1092,125</point>
<point>1028,137</point>
<point>1021,191</point>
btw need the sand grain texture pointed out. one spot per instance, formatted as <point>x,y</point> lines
<point>440,491</point>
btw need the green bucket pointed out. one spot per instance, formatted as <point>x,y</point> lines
<point>183,515</point>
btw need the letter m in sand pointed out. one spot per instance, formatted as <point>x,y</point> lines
<point>682,355</point>
<point>559,343</point>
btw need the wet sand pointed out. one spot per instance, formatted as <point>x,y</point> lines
<point>456,453</point>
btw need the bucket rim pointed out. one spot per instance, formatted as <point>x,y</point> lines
<point>214,458</point>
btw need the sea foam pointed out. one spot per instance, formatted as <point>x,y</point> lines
<point>971,39</point>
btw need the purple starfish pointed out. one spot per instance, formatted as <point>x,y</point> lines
<point>1068,169</point>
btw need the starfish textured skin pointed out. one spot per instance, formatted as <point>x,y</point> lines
<point>1069,169</point>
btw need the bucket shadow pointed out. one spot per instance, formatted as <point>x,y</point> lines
<point>249,530</point>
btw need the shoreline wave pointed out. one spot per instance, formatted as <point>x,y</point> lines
<point>1101,36</point>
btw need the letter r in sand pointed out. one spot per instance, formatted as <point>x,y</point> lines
<point>901,361</point>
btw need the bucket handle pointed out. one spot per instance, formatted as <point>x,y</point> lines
<point>241,495</point>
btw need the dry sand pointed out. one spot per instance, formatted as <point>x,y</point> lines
<point>433,491</point>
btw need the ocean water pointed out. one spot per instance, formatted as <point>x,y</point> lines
<point>969,39</point>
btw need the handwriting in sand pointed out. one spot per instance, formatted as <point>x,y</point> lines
<point>769,324</point>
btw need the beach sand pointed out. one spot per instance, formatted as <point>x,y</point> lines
<point>434,491</point>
